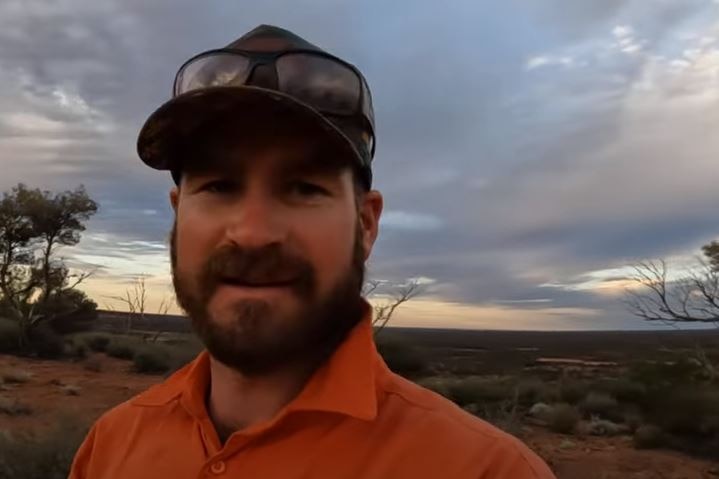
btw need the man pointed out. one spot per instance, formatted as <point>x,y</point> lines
<point>270,142</point>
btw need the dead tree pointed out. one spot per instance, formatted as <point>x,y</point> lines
<point>398,295</point>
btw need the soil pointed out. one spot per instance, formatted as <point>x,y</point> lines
<point>571,457</point>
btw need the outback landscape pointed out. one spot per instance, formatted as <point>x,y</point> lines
<point>599,405</point>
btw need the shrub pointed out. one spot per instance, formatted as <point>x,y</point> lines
<point>572,391</point>
<point>12,407</point>
<point>9,336</point>
<point>533,390</point>
<point>120,350</point>
<point>48,456</point>
<point>602,427</point>
<point>69,311</point>
<point>437,384</point>
<point>151,361</point>
<point>598,403</point>
<point>402,358</point>
<point>15,376</point>
<point>541,411</point>
<point>46,343</point>
<point>564,418</point>
<point>626,390</point>
<point>480,390</point>
<point>98,342</point>
<point>690,411</point>
<point>648,436</point>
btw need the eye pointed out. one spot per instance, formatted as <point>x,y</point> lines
<point>219,186</point>
<point>304,188</point>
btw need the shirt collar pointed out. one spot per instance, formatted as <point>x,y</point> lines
<point>344,384</point>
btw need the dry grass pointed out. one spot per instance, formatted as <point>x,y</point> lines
<point>15,376</point>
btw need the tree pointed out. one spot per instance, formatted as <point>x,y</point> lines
<point>34,224</point>
<point>690,298</point>
<point>400,294</point>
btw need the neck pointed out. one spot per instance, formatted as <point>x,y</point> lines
<point>237,401</point>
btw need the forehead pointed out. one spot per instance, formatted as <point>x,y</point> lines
<point>239,147</point>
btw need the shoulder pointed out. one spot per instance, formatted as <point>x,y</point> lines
<point>484,447</point>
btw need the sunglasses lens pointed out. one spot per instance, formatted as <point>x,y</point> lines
<point>217,69</point>
<point>327,85</point>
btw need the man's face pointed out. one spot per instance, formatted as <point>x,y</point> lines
<point>268,248</point>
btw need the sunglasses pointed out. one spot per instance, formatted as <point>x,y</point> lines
<point>326,83</point>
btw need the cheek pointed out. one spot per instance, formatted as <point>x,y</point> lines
<point>193,240</point>
<point>329,246</point>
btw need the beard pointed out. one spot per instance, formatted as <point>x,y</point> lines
<point>259,339</point>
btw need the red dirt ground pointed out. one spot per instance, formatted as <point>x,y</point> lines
<point>570,457</point>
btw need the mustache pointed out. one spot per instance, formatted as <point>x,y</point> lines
<point>268,264</point>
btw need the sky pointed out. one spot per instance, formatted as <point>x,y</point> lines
<point>528,152</point>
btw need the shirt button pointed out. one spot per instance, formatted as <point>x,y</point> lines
<point>218,467</point>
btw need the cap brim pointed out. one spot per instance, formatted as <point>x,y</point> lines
<point>161,135</point>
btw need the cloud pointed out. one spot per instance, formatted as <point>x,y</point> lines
<point>403,220</point>
<point>552,156</point>
<point>541,61</point>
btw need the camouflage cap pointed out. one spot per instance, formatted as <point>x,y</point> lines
<point>163,134</point>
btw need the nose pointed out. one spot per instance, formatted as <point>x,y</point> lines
<point>256,221</point>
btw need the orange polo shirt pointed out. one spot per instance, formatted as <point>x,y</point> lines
<point>353,419</point>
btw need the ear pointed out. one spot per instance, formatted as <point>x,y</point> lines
<point>370,212</point>
<point>174,197</point>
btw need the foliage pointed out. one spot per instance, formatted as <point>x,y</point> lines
<point>480,390</point>
<point>46,343</point>
<point>151,361</point>
<point>598,403</point>
<point>33,225</point>
<point>97,342</point>
<point>563,418</point>
<point>9,336</point>
<point>121,349</point>
<point>48,456</point>
<point>403,358</point>
<point>572,391</point>
<point>648,436</point>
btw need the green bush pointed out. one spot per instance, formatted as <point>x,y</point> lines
<point>601,404</point>
<point>648,436</point>
<point>690,411</point>
<point>670,374</point>
<point>626,390</point>
<point>48,456</point>
<point>533,390</point>
<point>480,390</point>
<point>46,343</point>
<point>438,384</point>
<point>97,342</point>
<point>121,349</point>
<point>69,311</point>
<point>79,351</point>
<point>151,361</point>
<point>572,391</point>
<point>564,418</point>
<point>402,358</point>
<point>9,336</point>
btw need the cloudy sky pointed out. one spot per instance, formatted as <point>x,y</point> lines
<point>528,151</point>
